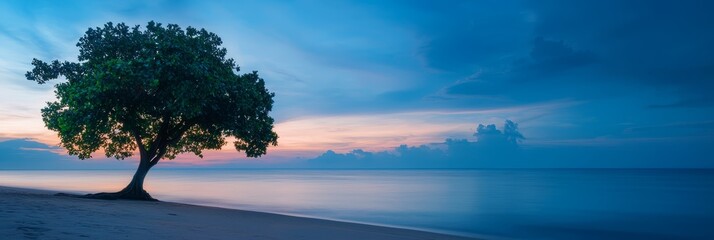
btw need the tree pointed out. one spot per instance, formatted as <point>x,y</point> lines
<point>160,91</point>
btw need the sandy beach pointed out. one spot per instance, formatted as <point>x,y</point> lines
<point>38,214</point>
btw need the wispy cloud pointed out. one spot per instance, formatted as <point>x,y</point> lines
<point>372,76</point>
<point>381,131</point>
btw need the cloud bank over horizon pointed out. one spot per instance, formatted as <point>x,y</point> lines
<point>494,147</point>
<point>29,154</point>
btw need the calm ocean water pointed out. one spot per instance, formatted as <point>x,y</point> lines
<point>533,204</point>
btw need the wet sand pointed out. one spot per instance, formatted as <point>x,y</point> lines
<point>38,214</point>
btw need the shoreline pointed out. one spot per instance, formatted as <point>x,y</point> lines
<point>35,213</point>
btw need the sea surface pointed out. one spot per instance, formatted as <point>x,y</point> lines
<point>493,204</point>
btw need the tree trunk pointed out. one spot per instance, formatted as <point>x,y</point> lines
<point>134,190</point>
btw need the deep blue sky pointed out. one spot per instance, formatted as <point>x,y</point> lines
<point>590,83</point>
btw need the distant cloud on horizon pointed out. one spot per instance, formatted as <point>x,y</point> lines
<point>501,148</point>
<point>29,154</point>
<point>492,147</point>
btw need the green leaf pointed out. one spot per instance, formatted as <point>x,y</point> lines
<point>159,90</point>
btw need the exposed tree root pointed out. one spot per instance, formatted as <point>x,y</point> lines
<point>123,194</point>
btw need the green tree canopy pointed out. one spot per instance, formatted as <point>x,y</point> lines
<point>160,91</point>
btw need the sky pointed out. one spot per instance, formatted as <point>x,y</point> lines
<point>382,84</point>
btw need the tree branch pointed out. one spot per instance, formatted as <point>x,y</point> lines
<point>160,136</point>
<point>137,138</point>
<point>158,156</point>
<point>171,139</point>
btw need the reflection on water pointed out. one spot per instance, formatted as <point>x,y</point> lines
<point>537,204</point>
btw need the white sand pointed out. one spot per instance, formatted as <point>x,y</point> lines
<point>35,214</point>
